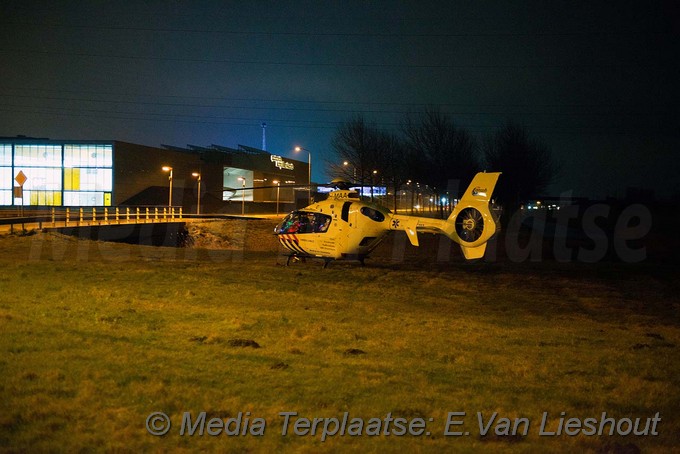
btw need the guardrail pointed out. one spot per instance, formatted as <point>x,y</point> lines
<point>95,216</point>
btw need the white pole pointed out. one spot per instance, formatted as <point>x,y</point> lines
<point>170,195</point>
<point>198,204</point>
<point>278,187</point>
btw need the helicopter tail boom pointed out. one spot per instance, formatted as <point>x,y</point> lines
<point>471,223</point>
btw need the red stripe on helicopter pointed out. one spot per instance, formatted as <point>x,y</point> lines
<point>292,243</point>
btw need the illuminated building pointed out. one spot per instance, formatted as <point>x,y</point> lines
<point>77,173</point>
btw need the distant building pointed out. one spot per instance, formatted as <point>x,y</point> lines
<point>97,173</point>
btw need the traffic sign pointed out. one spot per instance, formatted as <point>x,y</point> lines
<point>21,178</point>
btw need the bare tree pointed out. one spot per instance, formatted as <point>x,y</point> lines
<point>527,164</point>
<point>366,155</point>
<point>355,143</point>
<point>391,165</point>
<point>438,151</point>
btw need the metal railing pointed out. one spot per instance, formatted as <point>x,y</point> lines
<point>84,216</point>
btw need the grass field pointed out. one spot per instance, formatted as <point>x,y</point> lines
<point>97,336</point>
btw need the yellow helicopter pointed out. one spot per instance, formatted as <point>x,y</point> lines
<point>343,227</point>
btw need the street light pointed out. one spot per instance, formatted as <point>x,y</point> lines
<point>375,172</point>
<point>198,204</point>
<point>243,195</point>
<point>413,194</point>
<point>169,169</point>
<point>354,171</point>
<point>309,167</point>
<point>278,188</point>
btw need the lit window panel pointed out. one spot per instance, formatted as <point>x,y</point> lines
<point>5,197</point>
<point>41,178</point>
<point>90,179</point>
<point>39,198</point>
<point>83,198</point>
<point>88,155</point>
<point>5,154</point>
<point>6,178</point>
<point>37,155</point>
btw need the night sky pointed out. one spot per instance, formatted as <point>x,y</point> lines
<point>598,83</point>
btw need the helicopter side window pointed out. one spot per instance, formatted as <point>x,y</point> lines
<point>344,214</point>
<point>373,214</point>
<point>321,223</point>
<point>303,222</point>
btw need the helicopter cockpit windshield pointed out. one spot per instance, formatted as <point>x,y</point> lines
<point>304,222</point>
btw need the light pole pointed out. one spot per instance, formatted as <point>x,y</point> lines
<point>169,169</point>
<point>354,171</point>
<point>243,195</point>
<point>198,204</point>
<point>278,188</point>
<point>408,183</point>
<point>309,167</point>
<point>375,172</point>
<point>418,197</point>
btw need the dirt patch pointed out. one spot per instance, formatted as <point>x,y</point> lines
<point>234,234</point>
<point>243,343</point>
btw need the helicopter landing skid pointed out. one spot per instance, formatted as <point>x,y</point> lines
<point>298,258</point>
<point>294,258</point>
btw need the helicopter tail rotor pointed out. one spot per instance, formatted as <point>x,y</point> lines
<point>471,223</point>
